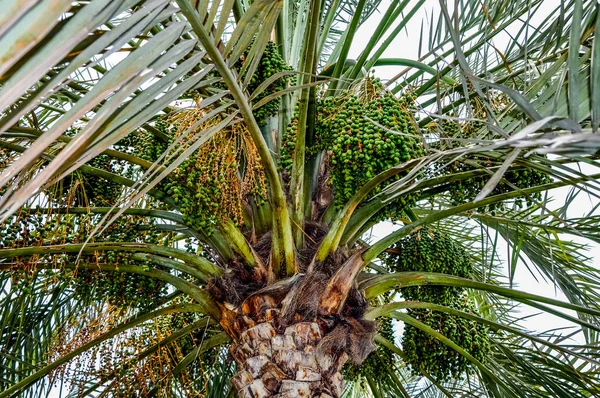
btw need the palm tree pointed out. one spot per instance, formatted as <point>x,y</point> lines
<point>188,189</point>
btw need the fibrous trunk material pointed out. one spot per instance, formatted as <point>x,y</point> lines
<point>292,336</point>
<point>283,359</point>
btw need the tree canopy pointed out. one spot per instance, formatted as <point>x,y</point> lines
<point>188,189</point>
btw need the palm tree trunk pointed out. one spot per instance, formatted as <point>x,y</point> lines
<point>281,361</point>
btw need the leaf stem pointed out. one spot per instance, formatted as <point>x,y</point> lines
<point>383,283</point>
<point>297,185</point>
<point>207,268</point>
<point>395,236</point>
